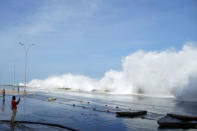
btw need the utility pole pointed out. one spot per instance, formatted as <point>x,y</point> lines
<point>26,48</point>
<point>14,74</point>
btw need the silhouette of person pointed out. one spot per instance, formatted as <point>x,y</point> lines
<point>3,93</point>
<point>3,105</point>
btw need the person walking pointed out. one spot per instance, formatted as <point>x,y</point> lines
<point>14,108</point>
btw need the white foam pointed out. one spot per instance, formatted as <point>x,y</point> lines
<point>161,74</point>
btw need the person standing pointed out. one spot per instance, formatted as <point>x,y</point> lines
<point>3,93</point>
<point>14,107</point>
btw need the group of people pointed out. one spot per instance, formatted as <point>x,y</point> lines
<point>14,104</point>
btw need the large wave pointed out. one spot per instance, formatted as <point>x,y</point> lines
<point>162,74</point>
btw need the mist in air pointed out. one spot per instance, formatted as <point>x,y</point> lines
<point>169,73</point>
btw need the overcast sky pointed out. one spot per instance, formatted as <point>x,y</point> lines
<point>88,37</point>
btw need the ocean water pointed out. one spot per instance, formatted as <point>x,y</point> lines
<point>90,111</point>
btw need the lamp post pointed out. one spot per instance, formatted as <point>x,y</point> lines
<point>26,48</point>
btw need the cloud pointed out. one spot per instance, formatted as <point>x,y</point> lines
<point>54,13</point>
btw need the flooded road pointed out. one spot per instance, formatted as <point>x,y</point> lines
<point>89,111</point>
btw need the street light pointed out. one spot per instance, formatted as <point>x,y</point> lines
<point>26,48</point>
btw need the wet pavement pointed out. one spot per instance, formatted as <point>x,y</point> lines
<point>86,111</point>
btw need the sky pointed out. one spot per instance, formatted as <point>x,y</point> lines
<point>88,37</point>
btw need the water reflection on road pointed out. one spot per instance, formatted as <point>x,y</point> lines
<point>90,111</point>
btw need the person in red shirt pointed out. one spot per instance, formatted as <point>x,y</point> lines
<point>14,107</point>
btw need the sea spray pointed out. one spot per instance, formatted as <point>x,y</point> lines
<point>74,82</point>
<point>160,74</point>
<point>189,92</point>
